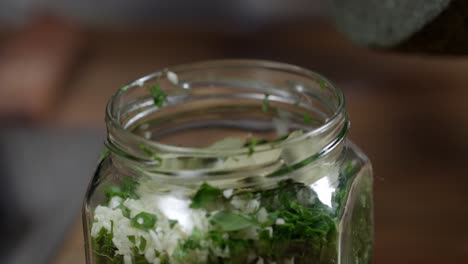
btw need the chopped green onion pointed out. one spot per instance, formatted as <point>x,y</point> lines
<point>144,221</point>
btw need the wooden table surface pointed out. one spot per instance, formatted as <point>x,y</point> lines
<point>409,114</point>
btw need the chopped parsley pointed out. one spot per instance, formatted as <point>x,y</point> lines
<point>132,239</point>
<point>307,119</point>
<point>103,247</point>
<point>150,152</point>
<point>172,223</point>
<point>323,84</point>
<point>266,103</point>
<point>125,210</point>
<point>207,197</point>
<point>142,244</point>
<point>227,221</point>
<point>251,146</point>
<point>159,96</point>
<point>144,221</point>
<point>126,189</point>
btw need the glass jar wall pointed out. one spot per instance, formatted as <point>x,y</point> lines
<point>229,162</point>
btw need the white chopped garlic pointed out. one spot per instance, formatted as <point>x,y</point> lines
<point>262,215</point>
<point>228,193</point>
<point>280,221</point>
<point>270,231</point>
<point>115,201</point>
<point>172,77</point>
<point>127,259</point>
<point>260,260</point>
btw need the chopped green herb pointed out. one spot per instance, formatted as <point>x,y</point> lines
<point>279,139</point>
<point>183,251</point>
<point>172,223</point>
<point>266,103</point>
<point>142,244</point>
<point>164,258</point>
<point>137,257</point>
<point>194,239</point>
<point>125,88</point>
<point>323,84</point>
<point>207,197</point>
<point>158,95</point>
<point>294,225</point>
<point>251,143</point>
<point>132,239</point>
<point>229,221</point>
<point>308,225</point>
<point>104,248</point>
<point>125,210</point>
<point>150,152</point>
<point>348,171</point>
<point>307,119</point>
<point>126,189</point>
<point>251,146</point>
<point>239,249</point>
<point>144,221</point>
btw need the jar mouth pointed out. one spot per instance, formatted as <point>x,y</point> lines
<point>119,129</point>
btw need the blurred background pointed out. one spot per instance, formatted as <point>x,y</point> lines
<point>61,60</point>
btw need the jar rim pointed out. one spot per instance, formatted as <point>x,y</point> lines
<point>339,114</point>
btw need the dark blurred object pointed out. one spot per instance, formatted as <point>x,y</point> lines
<point>44,175</point>
<point>384,23</point>
<point>446,34</point>
<point>34,65</point>
<point>417,26</point>
<point>13,222</point>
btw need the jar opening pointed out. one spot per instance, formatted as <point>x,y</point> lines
<point>200,109</point>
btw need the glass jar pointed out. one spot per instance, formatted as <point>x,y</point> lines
<point>229,162</point>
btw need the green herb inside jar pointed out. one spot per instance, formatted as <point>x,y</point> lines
<point>286,224</point>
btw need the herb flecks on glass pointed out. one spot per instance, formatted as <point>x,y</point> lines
<point>309,120</point>
<point>323,84</point>
<point>150,152</point>
<point>251,146</point>
<point>159,96</point>
<point>266,103</point>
